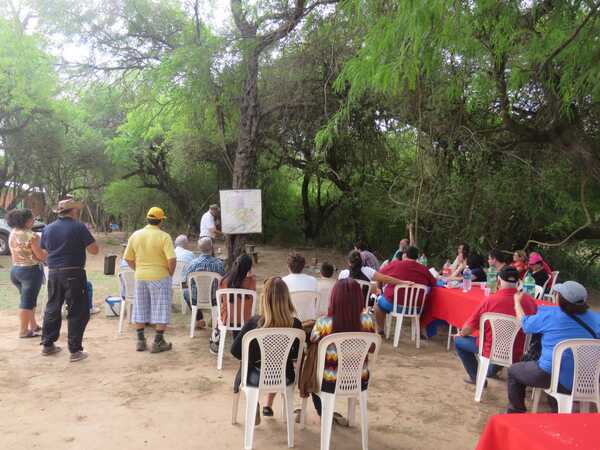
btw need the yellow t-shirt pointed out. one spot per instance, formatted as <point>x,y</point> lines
<point>150,248</point>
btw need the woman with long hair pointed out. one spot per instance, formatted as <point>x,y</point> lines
<point>277,311</point>
<point>239,277</point>
<point>345,315</point>
<point>520,262</point>
<point>26,273</point>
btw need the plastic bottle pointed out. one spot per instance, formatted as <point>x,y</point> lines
<point>492,279</point>
<point>446,269</point>
<point>423,260</point>
<point>529,284</point>
<point>467,279</point>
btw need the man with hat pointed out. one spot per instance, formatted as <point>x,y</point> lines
<point>572,319</point>
<point>208,224</point>
<point>502,302</point>
<point>67,240</point>
<point>151,255</point>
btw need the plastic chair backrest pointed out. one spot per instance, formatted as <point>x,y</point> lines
<point>505,329</point>
<point>127,281</point>
<point>205,282</point>
<point>365,287</point>
<point>539,292</point>
<point>352,350</point>
<point>413,297</point>
<point>551,282</point>
<point>275,346</point>
<point>236,310</point>
<point>305,304</point>
<point>324,285</point>
<point>586,368</point>
<point>177,277</point>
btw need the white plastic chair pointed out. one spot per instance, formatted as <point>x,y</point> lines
<point>352,350</point>
<point>176,281</point>
<point>504,329</point>
<point>43,296</point>
<point>551,282</point>
<point>306,304</point>
<point>365,287</point>
<point>233,311</point>
<point>539,292</point>
<point>586,376</point>
<point>275,346</point>
<point>204,282</point>
<point>127,282</point>
<point>325,285</point>
<point>413,303</point>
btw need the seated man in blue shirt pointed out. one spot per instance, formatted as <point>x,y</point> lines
<point>555,324</point>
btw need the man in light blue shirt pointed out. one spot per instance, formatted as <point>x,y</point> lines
<point>181,252</point>
<point>570,320</point>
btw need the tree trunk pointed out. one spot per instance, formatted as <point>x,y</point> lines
<point>244,167</point>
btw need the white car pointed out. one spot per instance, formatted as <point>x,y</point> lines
<point>5,231</point>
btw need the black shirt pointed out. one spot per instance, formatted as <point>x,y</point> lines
<point>540,277</point>
<point>66,240</point>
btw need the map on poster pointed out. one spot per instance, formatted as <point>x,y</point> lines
<point>241,211</point>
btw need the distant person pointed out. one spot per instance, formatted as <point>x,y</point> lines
<point>345,315</point>
<point>208,223</point>
<point>151,255</point>
<point>407,270</point>
<point>462,253</point>
<point>467,346</point>
<point>519,262</point>
<point>26,273</point>
<point>497,259</point>
<point>66,241</point>
<point>571,320</point>
<point>538,257</point>
<point>181,251</point>
<point>369,259</point>
<point>357,271</point>
<point>296,280</point>
<point>536,264</point>
<point>325,284</point>
<point>476,263</point>
<point>239,277</point>
<point>402,246</point>
<point>277,311</point>
<point>205,262</point>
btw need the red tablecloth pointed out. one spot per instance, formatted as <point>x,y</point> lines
<point>541,432</point>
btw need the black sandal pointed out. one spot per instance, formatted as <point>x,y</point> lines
<point>30,334</point>
<point>267,411</point>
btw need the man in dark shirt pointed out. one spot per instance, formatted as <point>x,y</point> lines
<point>67,240</point>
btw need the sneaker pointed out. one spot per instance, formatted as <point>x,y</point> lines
<point>94,310</point>
<point>162,346</point>
<point>50,350</point>
<point>78,356</point>
<point>141,345</point>
<point>213,347</point>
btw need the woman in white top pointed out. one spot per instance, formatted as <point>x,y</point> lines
<point>357,271</point>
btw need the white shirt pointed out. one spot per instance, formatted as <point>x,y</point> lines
<point>300,282</point>
<point>183,255</point>
<point>367,272</point>
<point>207,223</point>
<point>325,286</point>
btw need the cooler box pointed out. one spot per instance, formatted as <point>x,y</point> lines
<point>112,306</point>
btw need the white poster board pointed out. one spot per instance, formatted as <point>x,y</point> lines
<point>241,211</point>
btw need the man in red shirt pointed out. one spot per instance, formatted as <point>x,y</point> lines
<point>467,346</point>
<point>407,269</point>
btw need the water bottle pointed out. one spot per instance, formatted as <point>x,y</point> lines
<point>467,279</point>
<point>492,279</point>
<point>529,284</point>
<point>423,260</point>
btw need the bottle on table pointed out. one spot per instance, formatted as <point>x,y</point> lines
<point>529,284</point>
<point>467,279</point>
<point>447,269</point>
<point>423,260</point>
<point>492,279</point>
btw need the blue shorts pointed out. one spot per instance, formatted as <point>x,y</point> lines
<point>387,306</point>
<point>28,280</point>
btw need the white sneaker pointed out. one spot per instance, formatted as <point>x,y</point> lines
<point>94,310</point>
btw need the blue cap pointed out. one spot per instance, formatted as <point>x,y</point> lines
<point>572,291</point>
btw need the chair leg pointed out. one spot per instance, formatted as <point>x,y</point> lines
<point>303,413</point>
<point>364,421</point>
<point>565,404</point>
<point>122,312</point>
<point>351,412</point>
<point>193,321</point>
<point>482,369</point>
<point>537,394</point>
<point>388,326</point>
<point>251,406</point>
<point>450,328</point>
<point>130,311</point>
<point>289,406</point>
<point>398,330</point>
<point>234,411</point>
<point>327,409</point>
<point>222,336</point>
<point>184,306</point>
<point>415,320</point>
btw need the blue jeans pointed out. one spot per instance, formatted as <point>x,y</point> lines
<point>28,280</point>
<point>467,350</point>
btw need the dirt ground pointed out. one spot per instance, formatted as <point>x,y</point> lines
<point>119,398</point>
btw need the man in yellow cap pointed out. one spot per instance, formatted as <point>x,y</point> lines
<point>151,255</point>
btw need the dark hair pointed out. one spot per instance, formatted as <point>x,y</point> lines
<point>239,270</point>
<point>475,261</point>
<point>153,221</point>
<point>296,262</point>
<point>466,250</point>
<point>327,269</point>
<point>346,305</point>
<point>411,252</point>
<point>360,245</point>
<point>571,308</point>
<point>17,218</point>
<point>498,255</point>
<point>355,264</point>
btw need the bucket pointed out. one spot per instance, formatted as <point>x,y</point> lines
<point>109,264</point>
<point>112,306</point>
